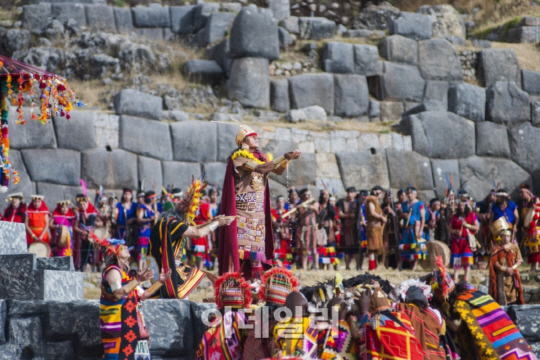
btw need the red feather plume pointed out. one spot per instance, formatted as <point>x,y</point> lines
<point>244,286</point>
<point>267,275</point>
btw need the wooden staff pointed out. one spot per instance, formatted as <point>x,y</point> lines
<point>295,209</point>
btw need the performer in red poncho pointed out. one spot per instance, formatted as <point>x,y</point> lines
<point>246,195</point>
<point>37,220</point>
<point>16,211</point>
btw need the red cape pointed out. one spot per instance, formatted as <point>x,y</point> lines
<point>228,237</point>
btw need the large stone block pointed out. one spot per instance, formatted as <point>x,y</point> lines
<point>32,135</point>
<point>444,170</point>
<point>215,173</point>
<point>531,82</point>
<point>151,16</point>
<point>438,60</point>
<point>535,113</point>
<point>182,18</point>
<point>12,239</point>
<point>203,71</point>
<point>468,101</point>
<point>397,48</point>
<point>279,95</point>
<point>436,91</point>
<point>492,140</point>
<point>150,171</point>
<point>100,18</point>
<point>201,13</point>
<point>27,333</point>
<point>145,137</point>
<point>506,103</point>
<point>522,34</point>
<point>366,60</point>
<point>498,65</point>
<point>3,316</point>
<point>226,135</point>
<point>285,39</point>
<point>526,319</point>
<point>136,103</point>
<point>316,28</point>
<point>217,26</point>
<point>54,193</point>
<point>480,173</point>
<point>446,21</point>
<point>411,25</point>
<point>62,285</point>
<point>254,34</point>
<point>290,24</point>
<point>338,57</point>
<point>170,340</point>
<point>522,138</point>
<point>25,185</point>
<point>430,129</point>
<point>221,53</point>
<point>179,173</point>
<point>249,82</point>
<point>18,278</point>
<point>301,171</point>
<point>194,141</point>
<point>112,169</point>
<point>57,166</point>
<point>351,96</point>
<point>398,82</point>
<point>363,169</point>
<point>36,17</point>
<point>123,19</point>
<point>281,9</point>
<point>64,263</point>
<point>65,11</point>
<point>312,89</point>
<point>77,133</point>
<point>77,320</point>
<point>406,167</point>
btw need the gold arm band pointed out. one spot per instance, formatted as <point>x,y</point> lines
<point>152,289</point>
<point>251,165</point>
<point>514,267</point>
<point>129,287</point>
<point>281,161</point>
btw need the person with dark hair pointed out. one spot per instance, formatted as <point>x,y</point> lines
<point>293,199</point>
<point>375,222</point>
<point>167,242</point>
<point>282,233</point>
<point>506,209</point>
<point>391,233</point>
<point>327,223</point>
<point>16,211</point>
<point>463,223</point>
<point>413,242</point>
<point>126,215</point>
<point>147,216</point>
<point>530,212</point>
<point>307,239</point>
<point>37,221</point>
<point>348,210</point>
<point>433,217</point>
<point>123,332</point>
<point>427,322</point>
<point>483,212</point>
<point>61,225</point>
<point>87,219</point>
<point>213,196</point>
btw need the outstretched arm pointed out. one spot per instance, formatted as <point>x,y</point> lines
<point>196,232</point>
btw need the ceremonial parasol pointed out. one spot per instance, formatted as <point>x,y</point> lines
<point>16,80</point>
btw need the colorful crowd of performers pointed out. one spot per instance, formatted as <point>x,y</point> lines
<point>365,317</point>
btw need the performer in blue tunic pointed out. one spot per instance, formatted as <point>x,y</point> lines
<point>413,243</point>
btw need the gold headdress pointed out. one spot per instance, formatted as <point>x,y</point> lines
<point>244,132</point>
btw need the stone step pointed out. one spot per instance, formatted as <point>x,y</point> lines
<point>23,279</point>
<point>12,238</point>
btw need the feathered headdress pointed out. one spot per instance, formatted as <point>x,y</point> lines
<point>233,291</point>
<point>406,285</point>
<point>276,284</point>
<point>189,205</point>
<point>441,282</point>
<point>109,246</point>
